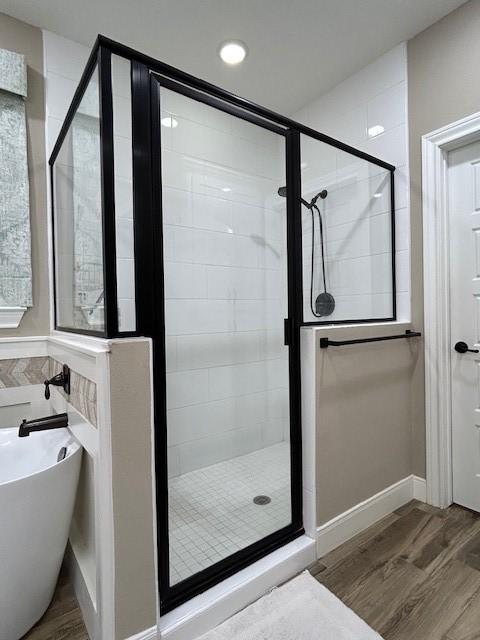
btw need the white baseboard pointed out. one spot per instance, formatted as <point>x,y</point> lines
<point>419,489</point>
<point>348,524</point>
<point>148,634</point>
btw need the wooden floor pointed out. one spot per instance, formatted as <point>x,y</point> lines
<point>63,618</point>
<point>413,576</point>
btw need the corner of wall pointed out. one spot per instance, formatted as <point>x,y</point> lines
<point>132,482</point>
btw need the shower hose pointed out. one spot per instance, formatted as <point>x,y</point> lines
<point>320,226</point>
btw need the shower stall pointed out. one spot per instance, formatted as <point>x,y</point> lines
<point>218,229</point>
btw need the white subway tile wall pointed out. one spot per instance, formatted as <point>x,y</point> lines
<point>225,285</point>
<point>357,233</point>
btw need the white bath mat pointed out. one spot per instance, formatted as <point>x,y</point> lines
<point>301,609</point>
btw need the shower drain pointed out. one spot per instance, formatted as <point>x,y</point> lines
<point>262,499</point>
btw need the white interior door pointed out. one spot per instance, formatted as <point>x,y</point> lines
<point>464,212</point>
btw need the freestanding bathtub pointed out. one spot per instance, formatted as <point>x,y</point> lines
<point>37,496</point>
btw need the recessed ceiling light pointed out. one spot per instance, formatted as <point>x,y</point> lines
<point>376,130</point>
<point>377,195</point>
<point>232,52</point>
<point>169,122</point>
<point>226,189</point>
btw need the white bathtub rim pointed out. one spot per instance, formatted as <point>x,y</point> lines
<point>73,448</point>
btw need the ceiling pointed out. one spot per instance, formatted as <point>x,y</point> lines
<point>298,49</point>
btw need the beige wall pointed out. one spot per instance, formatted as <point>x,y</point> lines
<point>364,416</point>
<point>130,402</point>
<point>444,86</point>
<point>23,38</point>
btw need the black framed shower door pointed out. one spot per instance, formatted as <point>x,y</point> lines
<point>209,525</point>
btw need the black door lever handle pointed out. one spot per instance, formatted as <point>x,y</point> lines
<point>462,347</point>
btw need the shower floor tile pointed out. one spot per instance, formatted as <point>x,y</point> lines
<point>212,513</point>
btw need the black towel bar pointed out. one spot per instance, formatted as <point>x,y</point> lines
<point>326,342</point>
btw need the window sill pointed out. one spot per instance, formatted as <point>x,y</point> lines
<point>10,317</point>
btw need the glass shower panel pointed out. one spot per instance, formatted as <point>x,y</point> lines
<point>224,228</point>
<point>347,262</point>
<point>78,220</point>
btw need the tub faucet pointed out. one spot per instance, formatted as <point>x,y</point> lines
<point>57,421</point>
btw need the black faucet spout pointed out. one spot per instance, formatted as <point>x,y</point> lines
<point>58,421</point>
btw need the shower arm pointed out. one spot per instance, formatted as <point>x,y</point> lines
<point>306,204</point>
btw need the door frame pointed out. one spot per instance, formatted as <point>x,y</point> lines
<point>436,275</point>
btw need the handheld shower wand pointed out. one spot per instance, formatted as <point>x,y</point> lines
<point>324,304</point>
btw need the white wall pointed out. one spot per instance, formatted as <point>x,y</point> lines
<point>376,95</point>
<point>64,62</point>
